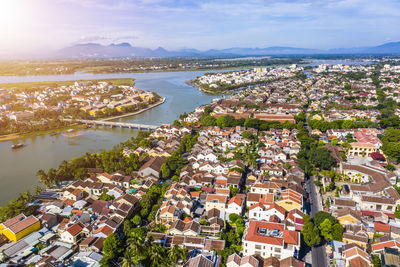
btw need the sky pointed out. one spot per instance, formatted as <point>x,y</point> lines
<point>39,26</point>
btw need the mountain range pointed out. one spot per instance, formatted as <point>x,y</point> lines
<point>122,50</point>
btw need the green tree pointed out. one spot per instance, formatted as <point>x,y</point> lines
<point>334,141</point>
<point>326,229</point>
<point>165,171</point>
<point>136,219</point>
<point>233,217</point>
<point>337,232</point>
<point>311,234</point>
<point>112,249</point>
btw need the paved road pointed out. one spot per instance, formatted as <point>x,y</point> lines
<point>318,254</point>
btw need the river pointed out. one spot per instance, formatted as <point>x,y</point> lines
<point>19,167</point>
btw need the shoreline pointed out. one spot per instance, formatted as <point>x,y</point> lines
<point>136,112</point>
<point>16,136</point>
<point>155,71</point>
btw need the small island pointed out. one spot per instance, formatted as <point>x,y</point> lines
<point>45,107</point>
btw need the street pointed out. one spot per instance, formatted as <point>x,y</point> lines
<point>318,254</point>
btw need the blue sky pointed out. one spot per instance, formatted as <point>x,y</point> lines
<point>37,25</point>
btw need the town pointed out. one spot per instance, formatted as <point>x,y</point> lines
<point>42,107</point>
<point>293,166</point>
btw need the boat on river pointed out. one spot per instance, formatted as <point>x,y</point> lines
<point>19,145</point>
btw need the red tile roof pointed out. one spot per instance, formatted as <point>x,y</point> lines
<point>386,244</point>
<point>381,227</point>
<point>74,229</point>
<point>291,237</point>
<point>254,234</point>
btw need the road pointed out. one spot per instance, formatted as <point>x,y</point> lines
<point>318,254</point>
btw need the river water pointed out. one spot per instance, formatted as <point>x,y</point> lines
<point>19,167</point>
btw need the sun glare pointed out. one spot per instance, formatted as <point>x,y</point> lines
<point>13,14</point>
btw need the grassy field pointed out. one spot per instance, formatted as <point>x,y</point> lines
<point>43,85</point>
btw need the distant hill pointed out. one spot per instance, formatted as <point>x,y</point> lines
<point>93,50</point>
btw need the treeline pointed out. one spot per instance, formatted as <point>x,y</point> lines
<point>111,161</point>
<point>323,126</point>
<point>230,121</point>
<point>18,206</point>
<point>390,144</point>
<point>9,126</point>
<point>19,68</point>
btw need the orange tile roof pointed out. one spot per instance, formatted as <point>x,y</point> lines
<point>74,229</point>
<point>291,237</point>
<point>381,227</point>
<point>236,200</point>
<point>220,198</point>
<point>254,235</point>
<point>386,244</point>
<point>107,230</point>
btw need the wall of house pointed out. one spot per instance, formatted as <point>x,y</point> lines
<point>15,237</point>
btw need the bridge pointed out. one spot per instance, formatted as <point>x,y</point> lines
<point>117,124</point>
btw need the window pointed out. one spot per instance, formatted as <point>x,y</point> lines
<point>278,250</point>
<point>258,247</point>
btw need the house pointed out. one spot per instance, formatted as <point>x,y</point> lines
<point>262,211</point>
<point>348,216</point>
<point>19,226</point>
<point>72,234</point>
<point>214,201</point>
<point>48,220</point>
<point>235,205</point>
<point>199,261</point>
<point>235,260</point>
<point>270,239</point>
<point>355,256</point>
<point>380,246</point>
<point>179,227</point>
<point>291,200</point>
<point>73,194</point>
<point>152,167</point>
<point>362,149</point>
<point>356,234</point>
<point>168,214</point>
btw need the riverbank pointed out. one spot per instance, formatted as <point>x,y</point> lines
<point>40,85</point>
<point>136,112</point>
<point>17,136</point>
<point>221,90</point>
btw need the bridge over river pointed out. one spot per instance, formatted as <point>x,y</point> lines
<point>117,124</point>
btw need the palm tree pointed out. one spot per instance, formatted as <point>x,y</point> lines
<point>157,255</point>
<point>176,253</point>
<point>129,259</point>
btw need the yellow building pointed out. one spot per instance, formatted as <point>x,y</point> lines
<point>19,227</point>
<point>349,217</point>
<point>290,200</point>
<point>362,149</point>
